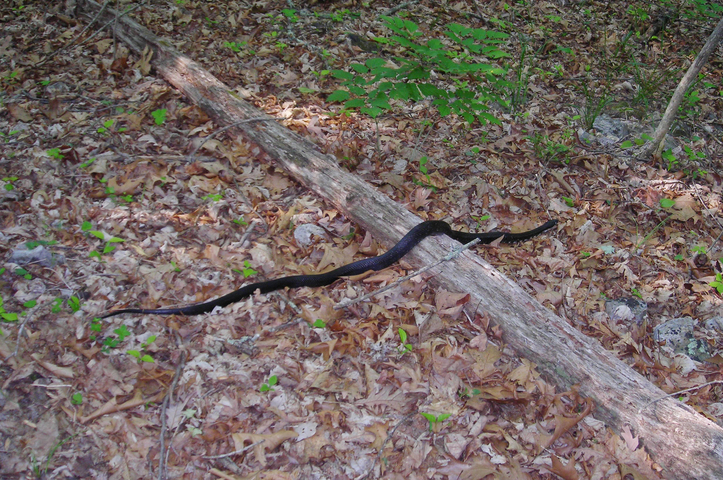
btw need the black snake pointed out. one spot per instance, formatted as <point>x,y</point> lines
<point>407,243</point>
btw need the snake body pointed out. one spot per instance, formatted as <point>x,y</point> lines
<point>406,244</point>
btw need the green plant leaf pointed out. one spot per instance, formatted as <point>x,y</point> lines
<point>429,416</point>
<point>375,63</point>
<point>342,75</point>
<point>248,271</point>
<point>667,202</point>
<point>159,116</point>
<point>403,335</point>
<point>355,103</point>
<point>359,68</point>
<point>122,332</point>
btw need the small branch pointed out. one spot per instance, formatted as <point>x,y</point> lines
<point>221,130</point>
<point>70,44</point>
<point>452,255</point>
<point>162,454</point>
<point>714,382</point>
<point>656,146</point>
<point>231,454</point>
<point>381,449</point>
<point>401,6</point>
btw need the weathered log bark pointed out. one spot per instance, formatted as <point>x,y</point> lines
<point>684,443</point>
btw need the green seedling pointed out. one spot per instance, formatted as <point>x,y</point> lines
<point>424,171</point>
<point>248,271</point>
<point>481,219</point>
<point>57,305</point>
<point>7,316</point>
<point>110,240</point>
<point>55,153</point>
<point>215,197</point>
<point>319,323</point>
<point>269,385</point>
<point>240,221</point>
<point>290,14</point>
<point>107,128</point>
<point>466,393</point>
<point>568,201</point>
<point>74,303</point>
<point>96,326</point>
<point>321,74</point>
<point>76,399</point>
<point>159,116</point>
<point>435,421</point>
<point>717,283</point>
<point>9,183</point>
<point>140,355</point>
<point>404,347</point>
<point>112,342</point>
<point>110,191</point>
<point>235,47</point>
<point>23,273</point>
<point>7,136</point>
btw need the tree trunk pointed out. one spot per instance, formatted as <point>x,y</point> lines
<point>684,443</point>
<point>656,146</point>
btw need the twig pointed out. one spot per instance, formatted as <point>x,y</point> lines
<point>678,393</point>
<point>248,231</point>
<point>389,437</point>
<point>221,130</point>
<point>162,454</point>
<point>20,335</point>
<point>450,256</point>
<point>231,454</point>
<point>87,27</point>
<point>715,218</point>
<point>394,10</point>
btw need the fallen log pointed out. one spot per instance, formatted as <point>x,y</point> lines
<point>685,444</point>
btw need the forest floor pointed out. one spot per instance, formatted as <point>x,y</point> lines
<point>98,181</point>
